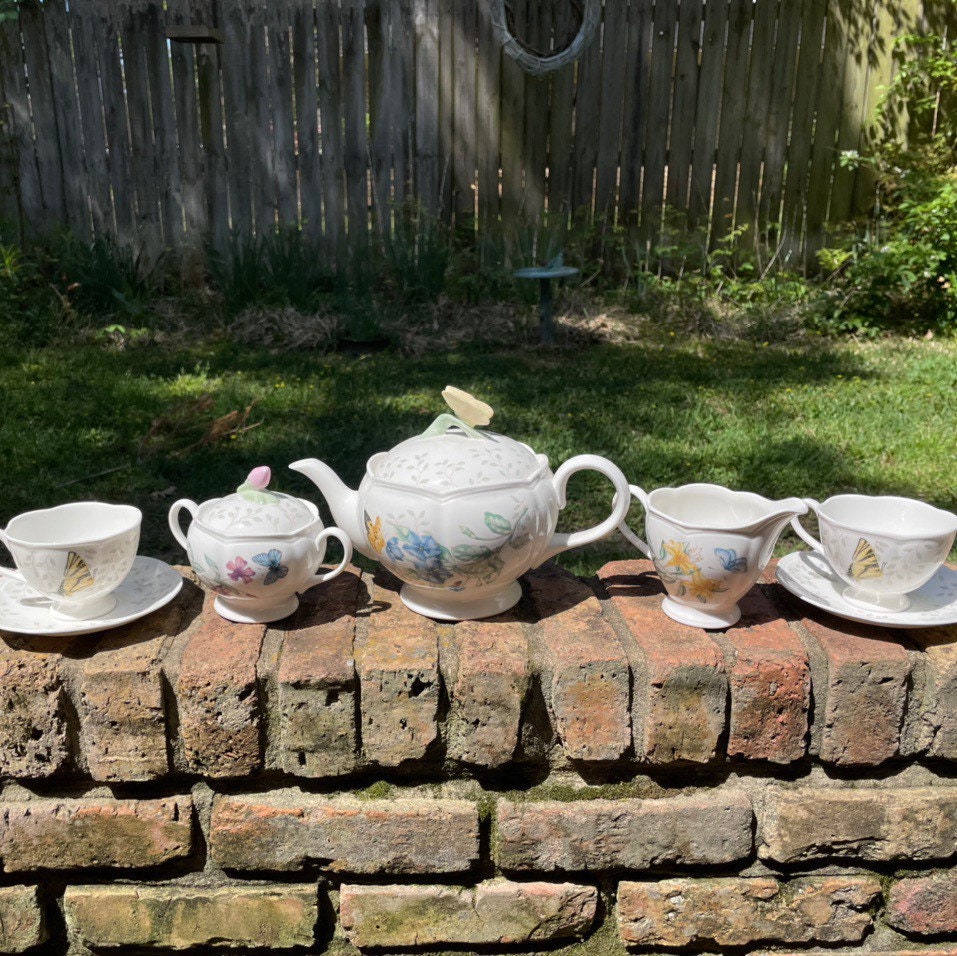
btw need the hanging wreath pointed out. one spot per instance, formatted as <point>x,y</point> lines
<point>587,16</point>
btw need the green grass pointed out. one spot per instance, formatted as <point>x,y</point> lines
<point>876,417</point>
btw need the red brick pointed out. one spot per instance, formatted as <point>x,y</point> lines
<point>397,659</point>
<point>180,916</point>
<point>22,922</point>
<point>860,684</point>
<point>679,701</point>
<point>122,716</point>
<point>485,666</point>
<point>880,824</point>
<point>585,672</point>
<point>93,832</point>
<point>33,730</point>
<point>770,679</point>
<point>496,913</point>
<point>317,681</point>
<point>630,834</point>
<point>924,905</point>
<point>285,830</point>
<point>742,911</point>
<point>938,710</point>
<point>218,696</point>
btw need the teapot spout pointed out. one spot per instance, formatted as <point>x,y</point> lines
<point>342,500</point>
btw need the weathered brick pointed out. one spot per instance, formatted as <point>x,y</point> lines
<point>810,823</point>
<point>397,659</point>
<point>218,697</point>
<point>924,905</point>
<point>485,666</point>
<point>770,681</point>
<point>861,692</point>
<point>317,681</point>
<point>122,716</point>
<point>585,672</point>
<point>54,834</point>
<point>22,924</point>
<point>494,913</point>
<point>629,834</point>
<point>744,911</point>
<point>285,830</point>
<point>938,731</point>
<point>679,698</point>
<point>185,917</point>
<point>33,733</point>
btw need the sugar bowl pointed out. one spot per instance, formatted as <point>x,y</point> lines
<point>257,549</point>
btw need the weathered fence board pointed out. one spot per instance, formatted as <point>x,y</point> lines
<point>331,115</point>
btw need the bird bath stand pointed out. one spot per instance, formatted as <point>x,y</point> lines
<point>545,274</point>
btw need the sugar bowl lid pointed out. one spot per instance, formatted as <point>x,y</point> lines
<point>254,510</point>
<point>453,455</point>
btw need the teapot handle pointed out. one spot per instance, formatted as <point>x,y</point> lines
<point>346,543</point>
<point>563,542</point>
<point>9,572</point>
<point>174,526</point>
<point>630,535</point>
<point>799,529</point>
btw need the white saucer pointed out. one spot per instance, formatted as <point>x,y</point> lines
<point>807,575</point>
<point>149,585</point>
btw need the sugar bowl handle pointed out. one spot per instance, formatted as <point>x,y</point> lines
<point>321,539</point>
<point>630,535</point>
<point>619,508</point>
<point>9,572</point>
<point>799,528</point>
<point>174,525</point>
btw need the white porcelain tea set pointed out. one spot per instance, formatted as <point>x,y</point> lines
<point>458,514</point>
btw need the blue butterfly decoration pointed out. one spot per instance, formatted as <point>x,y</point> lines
<point>272,561</point>
<point>730,561</point>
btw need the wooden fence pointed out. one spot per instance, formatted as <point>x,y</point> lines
<point>171,122</point>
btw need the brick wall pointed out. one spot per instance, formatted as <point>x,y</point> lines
<point>581,775</point>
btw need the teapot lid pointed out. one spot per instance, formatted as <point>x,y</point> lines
<point>254,510</point>
<point>453,455</point>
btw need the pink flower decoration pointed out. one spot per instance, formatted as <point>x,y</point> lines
<point>260,477</point>
<point>239,570</point>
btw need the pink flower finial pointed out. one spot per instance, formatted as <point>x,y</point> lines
<point>260,477</point>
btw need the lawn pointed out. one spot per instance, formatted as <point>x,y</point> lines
<point>814,420</point>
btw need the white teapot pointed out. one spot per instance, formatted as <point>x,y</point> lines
<point>458,514</point>
<point>257,549</point>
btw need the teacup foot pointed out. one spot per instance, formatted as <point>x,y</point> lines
<point>869,601</point>
<point>247,613</point>
<point>98,607</point>
<point>442,605</point>
<point>695,617</point>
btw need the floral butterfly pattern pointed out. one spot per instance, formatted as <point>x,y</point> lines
<point>272,561</point>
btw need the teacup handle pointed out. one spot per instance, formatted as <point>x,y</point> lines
<point>799,528</point>
<point>619,507</point>
<point>9,572</point>
<point>174,525</point>
<point>626,531</point>
<point>346,543</point>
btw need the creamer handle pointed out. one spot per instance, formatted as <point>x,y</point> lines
<point>619,508</point>
<point>346,543</point>
<point>799,528</point>
<point>627,532</point>
<point>174,526</point>
<point>9,572</point>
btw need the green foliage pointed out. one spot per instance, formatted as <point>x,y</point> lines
<point>901,273</point>
<point>416,259</point>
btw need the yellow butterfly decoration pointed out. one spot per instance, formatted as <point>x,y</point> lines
<point>77,576</point>
<point>374,532</point>
<point>865,564</point>
<point>467,407</point>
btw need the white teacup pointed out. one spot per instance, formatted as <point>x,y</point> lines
<point>75,555</point>
<point>882,547</point>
